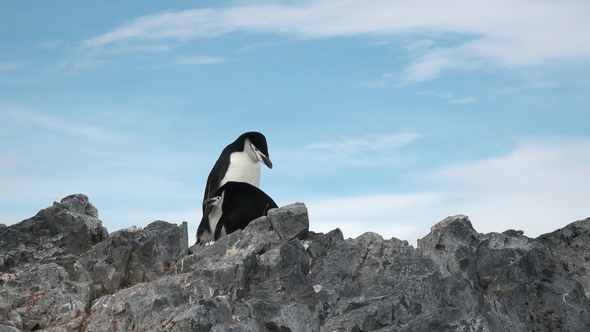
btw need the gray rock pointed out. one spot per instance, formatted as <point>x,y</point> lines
<point>8,328</point>
<point>517,282</point>
<point>241,282</point>
<point>132,256</point>
<point>55,264</point>
<point>290,221</point>
<point>276,275</point>
<point>452,244</point>
<point>571,246</point>
<point>71,227</point>
<point>369,283</point>
<point>42,296</point>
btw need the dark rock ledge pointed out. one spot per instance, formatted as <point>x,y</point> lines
<point>61,271</point>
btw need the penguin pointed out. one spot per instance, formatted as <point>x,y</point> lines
<point>240,162</point>
<point>235,204</point>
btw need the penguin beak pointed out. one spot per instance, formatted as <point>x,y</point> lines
<point>266,161</point>
<point>260,156</point>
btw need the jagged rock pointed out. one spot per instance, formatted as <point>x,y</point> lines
<point>571,246</point>
<point>223,285</point>
<point>519,284</point>
<point>70,227</point>
<point>290,222</point>
<point>56,263</point>
<point>451,244</point>
<point>41,295</point>
<point>131,256</point>
<point>369,283</point>
<point>276,275</point>
<point>35,288</point>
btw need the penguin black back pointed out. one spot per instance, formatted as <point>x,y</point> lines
<point>240,203</point>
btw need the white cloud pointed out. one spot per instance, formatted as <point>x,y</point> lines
<point>466,100</point>
<point>541,186</point>
<point>391,215</point>
<point>370,142</point>
<point>383,81</point>
<point>429,66</point>
<point>505,33</point>
<point>450,97</point>
<point>202,60</point>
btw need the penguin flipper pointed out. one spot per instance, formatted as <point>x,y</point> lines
<point>216,175</point>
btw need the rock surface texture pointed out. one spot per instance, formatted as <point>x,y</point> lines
<point>61,271</point>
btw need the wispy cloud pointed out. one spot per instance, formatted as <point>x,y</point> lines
<point>450,97</point>
<point>384,80</point>
<point>202,60</point>
<point>539,187</point>
<point>502,33</point>
<point>533,86</point>
<point>465,100</point>
<point>368,143</point>
<point>12,65</point>
<point>367,154</point>
<point>391,215</point>
<point>27,118</point>
<point>193,61</point>
<point>366,151</point>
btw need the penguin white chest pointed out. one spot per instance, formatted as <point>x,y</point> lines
<point>214,217</point>
<point>242,169</point>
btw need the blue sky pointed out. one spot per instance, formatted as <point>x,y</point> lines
<point>383,116</point>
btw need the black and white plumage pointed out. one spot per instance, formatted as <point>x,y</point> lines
<point>239,162</point>
<point>234,205</point>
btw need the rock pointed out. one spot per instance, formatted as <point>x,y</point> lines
<point>451,244</point>
<point>8,328</point>
<point>71,227</point>
<point>276,275</point>
<point>132,255</point>
<point>518,280</point>
<point>369,283</point>
<point>571,246</point>
<point>290,221</point>
<point>40,296</point>
<point>55,264</point>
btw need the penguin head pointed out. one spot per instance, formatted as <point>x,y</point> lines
<point>255,146</point>
<point>213,201</point>
<point>217,199</point>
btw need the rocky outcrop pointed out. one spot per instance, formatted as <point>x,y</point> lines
<point>55,264</point>
<point>61,271</point>
<point>511,282</point>
<point>571,246</point>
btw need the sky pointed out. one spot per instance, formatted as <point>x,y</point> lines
<point>382,116</point>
